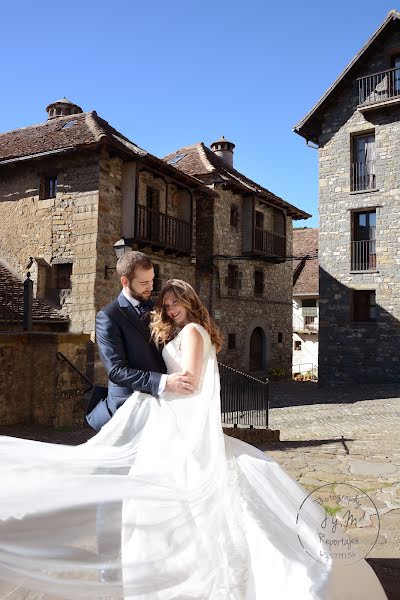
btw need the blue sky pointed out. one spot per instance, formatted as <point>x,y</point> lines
<point>172,73</point>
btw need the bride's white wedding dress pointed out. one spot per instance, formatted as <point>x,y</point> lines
<point>203,516</point>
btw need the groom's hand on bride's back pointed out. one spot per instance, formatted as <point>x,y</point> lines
<point>181,383</point>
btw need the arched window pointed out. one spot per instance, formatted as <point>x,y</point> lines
<point>257,350</point>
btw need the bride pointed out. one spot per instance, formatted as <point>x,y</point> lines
<point>187,513</point>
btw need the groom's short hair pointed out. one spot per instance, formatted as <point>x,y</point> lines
<point>129,262</point>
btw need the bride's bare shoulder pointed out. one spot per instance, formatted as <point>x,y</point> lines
<point>194,329</point>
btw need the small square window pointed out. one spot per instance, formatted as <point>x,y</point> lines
<point>297,345</point>
<point>231,341</point>
<point>48,187</point>
<point>364,305</point>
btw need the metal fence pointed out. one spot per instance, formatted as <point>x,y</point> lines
<point>244,399</point>
<point>363,176</point>
<point>363,255</point>
<point>305,369</point>
<point>16,305</point>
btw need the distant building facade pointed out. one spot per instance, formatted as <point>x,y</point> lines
<point>244,239</point>
<point>356,126</point>
<point>305,302</point>
<point>73,186</point>
<point>70,188</point>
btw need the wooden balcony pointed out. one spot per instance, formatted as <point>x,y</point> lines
<point>270,244</point>
<point>363,255</point>
<point>162,231</point>
<point>379,89</point>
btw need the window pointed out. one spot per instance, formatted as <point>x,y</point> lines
<point>309,303</point>
<point>48,187</point>
<point>258,282</point>
<point>364,305</point>
<point>363,243</point>
<point>363,163</point>
<point>231,341</point>
<point>152,213</point>
<point>234,216</point>
<point>233,277</point>
<point>279,222</point>
<point>63,274</point>
<point>153,198</point>
<point>280,337</point>
<point>157,280</point>
<point>259,219</point>
<point>297,345</point>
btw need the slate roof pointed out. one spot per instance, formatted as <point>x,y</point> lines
<point>305,272</point>
<point>200,161</point>
<point>41,311</point>
<point>78,131</point>
<point>309,127</point>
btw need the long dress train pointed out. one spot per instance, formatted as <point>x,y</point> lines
<point>167,508</point>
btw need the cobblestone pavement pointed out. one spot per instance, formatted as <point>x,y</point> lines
<point>334,435</point>
<point>346,434</point>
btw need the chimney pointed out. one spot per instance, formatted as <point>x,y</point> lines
<point>224,150</point>
<point>62,108</point>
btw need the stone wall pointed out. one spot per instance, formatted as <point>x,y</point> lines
<point>61,229</point>
<point>240,312</point>
<point>352,351</point>
<point>35,387</point>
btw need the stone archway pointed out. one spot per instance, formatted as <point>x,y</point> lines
<point>257,347</point>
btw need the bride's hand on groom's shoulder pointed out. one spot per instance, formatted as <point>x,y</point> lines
<point>180,383</point>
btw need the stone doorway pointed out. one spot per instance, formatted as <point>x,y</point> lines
<point>258,355</point>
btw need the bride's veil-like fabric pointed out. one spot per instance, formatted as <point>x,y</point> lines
<point>159,505</point>
<point>157,467</point>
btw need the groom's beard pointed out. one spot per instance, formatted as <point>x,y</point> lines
<point>140,297</point>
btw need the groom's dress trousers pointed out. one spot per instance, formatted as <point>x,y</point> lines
<point>130,358</point>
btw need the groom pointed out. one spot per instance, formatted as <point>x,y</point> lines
<point>131,359</point>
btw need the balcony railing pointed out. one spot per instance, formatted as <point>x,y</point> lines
<point>379,87</point>
<point>363,255</point>
<point>306,324</point>
<point>269,243</point>
<point>162,230</point>
<point>363,176</point>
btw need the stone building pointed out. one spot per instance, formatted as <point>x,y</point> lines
<point>244,239</point>
<point>73,186</point>
<point>305,302</point>
<point>356,126</point>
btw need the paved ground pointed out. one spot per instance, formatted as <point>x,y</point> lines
<point>350,435</point>
<point>347,435</point>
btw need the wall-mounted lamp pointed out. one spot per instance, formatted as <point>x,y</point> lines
<point>120,248</point>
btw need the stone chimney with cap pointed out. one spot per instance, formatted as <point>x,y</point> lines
<point>224,150</point>
<point>62,108</point>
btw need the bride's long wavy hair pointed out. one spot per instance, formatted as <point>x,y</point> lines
<point>163,329</point>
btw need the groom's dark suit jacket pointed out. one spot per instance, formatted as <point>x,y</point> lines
<point>130,358</point>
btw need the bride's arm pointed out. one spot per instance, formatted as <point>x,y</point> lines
<point>192,353</point>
